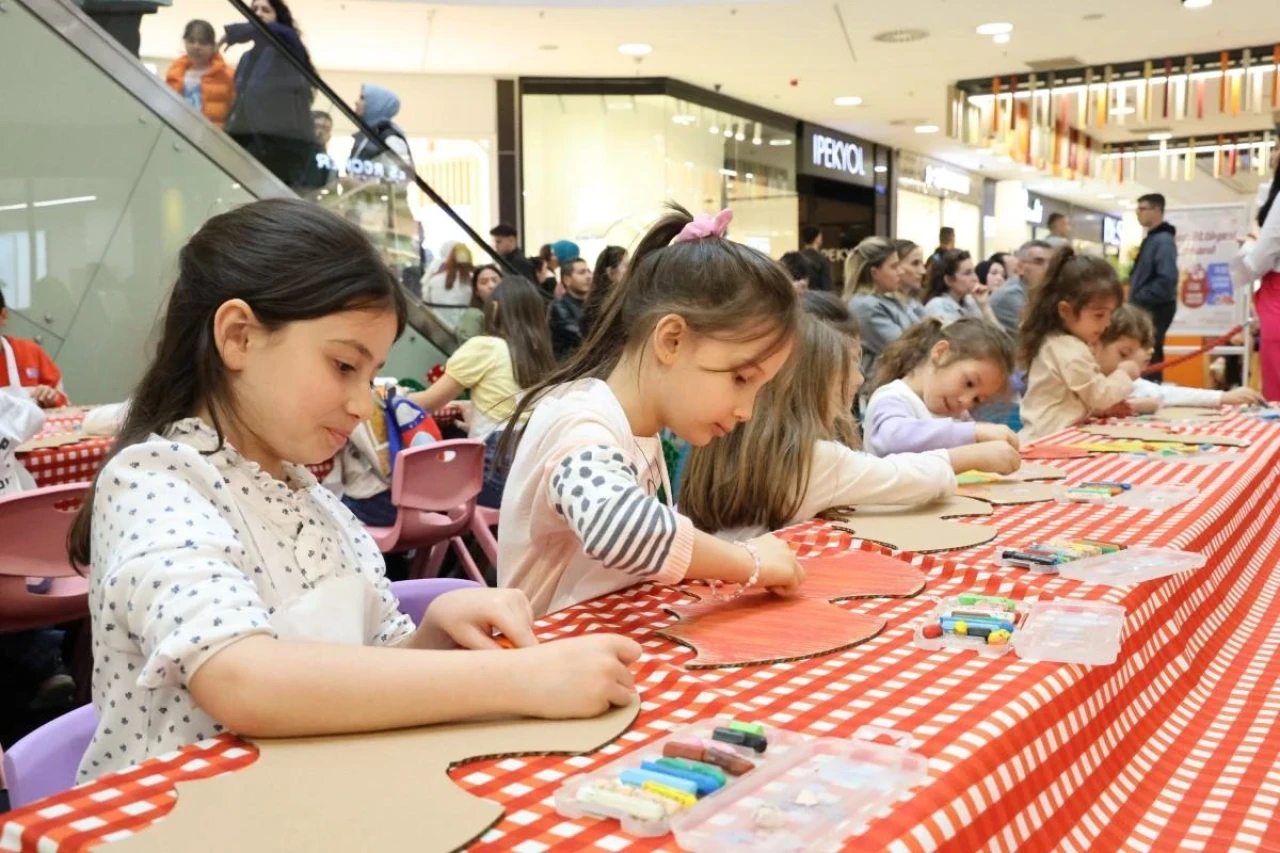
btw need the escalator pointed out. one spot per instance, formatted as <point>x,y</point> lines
<point>104,174</point>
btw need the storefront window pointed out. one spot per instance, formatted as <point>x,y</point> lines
<point>597,170</point>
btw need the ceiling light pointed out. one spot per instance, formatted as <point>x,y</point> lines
<point>1000,38</point>
<point>901,36</point>
<point>728,133</point>
<point>996,29</point>
<point>1159,137</point>
<point>684,119</point>
<point>779,142</point>
<point>635,49</point>
<point>740,136</point>
<point>714,130</point>
<point>926,128</point>
<point>1196,4</point>
<point>848,101</point>
<point>1123,111</point>
<point>880,170</point>
<point>548,47</point>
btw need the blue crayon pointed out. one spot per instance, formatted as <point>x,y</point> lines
<point>706,784</point>
<point>636,779</point>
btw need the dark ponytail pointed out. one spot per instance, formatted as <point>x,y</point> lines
<point>290,260</point>
<point>720,288</point>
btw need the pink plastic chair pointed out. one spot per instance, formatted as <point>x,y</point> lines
<point>434,488</point>
<point>33,528</point>
<point>482,524</point>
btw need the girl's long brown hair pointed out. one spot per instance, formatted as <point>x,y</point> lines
<point>969,338</point>
<point>290,260</point>
<point>758,474</point>
<point>517,314</point>
<point>948,263</point>
<point>721,289</point>
<point>1071,278</point>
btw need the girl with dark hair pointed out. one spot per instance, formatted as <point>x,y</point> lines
<point>930,379</point>
<point>231,592</point>
<point>514,353</point>
<point>1260,258</point>
<point>484,281</point>
<point>201,76</point>
<point>271,117</point>
<point>449,290</point>
<point>685,342</point>
<point>955,291</point>
<point>610,269</point>
<point>1064,320</point>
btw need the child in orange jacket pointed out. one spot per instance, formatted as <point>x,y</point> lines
<point>202,77</point>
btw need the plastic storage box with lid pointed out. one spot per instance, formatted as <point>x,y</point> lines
<point>826,792</point>
<point>1053,630</point>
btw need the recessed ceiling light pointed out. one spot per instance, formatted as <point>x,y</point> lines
<point>995,29</point>
<point>926,128</point>
<point>635,49</point>
<point>1196,4</point>
<point>1159,137</point>
<point>848,101</point>
<point>778,143</point>
<point>901,36</point>
<point>1000,38</point>
<point>1123,111</point>
<point>880,170</point>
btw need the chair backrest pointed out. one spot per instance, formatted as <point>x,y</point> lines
<point>415,596</point>
<point>439,477</point>
<point>45,762</point>
<point>33,528</point>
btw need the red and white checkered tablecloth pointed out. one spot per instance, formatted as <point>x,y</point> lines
<point>1175,747</point>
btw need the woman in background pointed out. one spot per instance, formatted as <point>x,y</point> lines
<point>449,291</point>
<point>610,268</point>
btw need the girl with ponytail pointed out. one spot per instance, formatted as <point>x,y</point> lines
<point>684,342</point>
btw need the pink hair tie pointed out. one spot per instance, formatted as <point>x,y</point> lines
<point>706,226</point>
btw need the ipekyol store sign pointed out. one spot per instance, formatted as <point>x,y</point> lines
<point>826,153</point>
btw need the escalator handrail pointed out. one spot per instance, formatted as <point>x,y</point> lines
<point>309,72</point>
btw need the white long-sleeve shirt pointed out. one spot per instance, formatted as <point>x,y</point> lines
<point>1258,257</point>
<point>1175,395</point>
<point>845,477</point>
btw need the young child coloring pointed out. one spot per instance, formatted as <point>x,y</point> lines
<point>929,381</point>
<point>1130,337</point>
<point>228,590</point>
<point>1064,319</point>
<point>685,341</point>
<point>796,458</point>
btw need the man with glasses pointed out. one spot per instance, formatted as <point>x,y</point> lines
<point>1153,283</point>
<point>1007,302</point>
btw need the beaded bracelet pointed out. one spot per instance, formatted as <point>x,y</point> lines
<point>751,581</point>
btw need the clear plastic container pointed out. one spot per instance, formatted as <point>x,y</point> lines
<point>1131,566</point>
<point>1068,631</point>
<point>782,750</point>
<point>1144,497</point>
<point>946,607</point>
<point>1055,630</point>
<point>811,804</point>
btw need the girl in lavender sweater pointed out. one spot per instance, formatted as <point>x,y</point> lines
<point>929,381</point>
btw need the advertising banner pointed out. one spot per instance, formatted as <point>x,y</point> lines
<point>1207,241</point>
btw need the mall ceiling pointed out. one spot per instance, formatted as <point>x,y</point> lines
<point>796,57</point>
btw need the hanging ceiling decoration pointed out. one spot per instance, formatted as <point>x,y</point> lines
<point>1049,120</point>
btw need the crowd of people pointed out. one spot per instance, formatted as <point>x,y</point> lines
<point>792,396</point>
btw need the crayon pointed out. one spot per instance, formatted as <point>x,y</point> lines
<point>703,783</point>
<point>750,741</point>
<point>730,762</point>
<point>967,598</point>
<point>637,777</point>
<point>749,728</point>
<point>684,798</point>
<point>694,767</point>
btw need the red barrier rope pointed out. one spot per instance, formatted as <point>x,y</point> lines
<point>1185,357</point>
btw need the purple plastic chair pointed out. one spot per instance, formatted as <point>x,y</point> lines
<point>416,595</point>
<point>45,761</point>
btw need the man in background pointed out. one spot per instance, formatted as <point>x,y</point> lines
<point>1007,302</point>
<point>1153,283</point>
<point>506,241</point>
<point>566,312</point>
<point>946,242</point>
<point>1059,230</point>
<point>821,274</point>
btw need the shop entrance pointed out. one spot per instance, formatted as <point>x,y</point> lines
<point>845,213</point>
